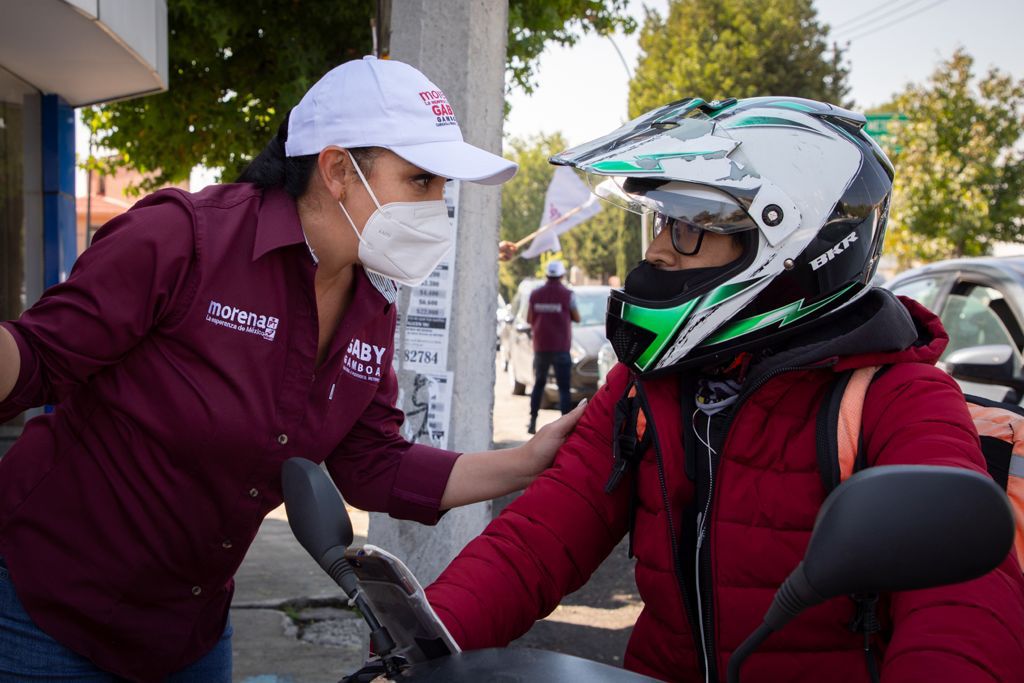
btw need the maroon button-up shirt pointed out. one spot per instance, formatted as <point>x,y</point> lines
<point>180,356</point>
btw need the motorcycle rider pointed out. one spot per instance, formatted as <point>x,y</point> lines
<point>768,218</point>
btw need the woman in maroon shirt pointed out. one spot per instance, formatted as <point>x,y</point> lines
<point>202,340</point>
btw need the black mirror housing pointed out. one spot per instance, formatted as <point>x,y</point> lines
<point>908,527</point>
<point>992,364</point>
<point>893,528</point>
<point>316,512</point>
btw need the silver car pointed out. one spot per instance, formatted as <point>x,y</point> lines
<point>587,337</point>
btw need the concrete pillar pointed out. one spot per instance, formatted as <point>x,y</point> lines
<point>460,46</point>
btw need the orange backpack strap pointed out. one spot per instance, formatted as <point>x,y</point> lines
<point>839,425</point>
<point>1015,490</point>
<point>1001,429</point>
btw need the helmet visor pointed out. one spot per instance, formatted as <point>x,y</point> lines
<point>686,209</point>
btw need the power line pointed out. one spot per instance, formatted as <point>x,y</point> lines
<point>860,25</point>
<point>843,25</point>
<point>895,21</point>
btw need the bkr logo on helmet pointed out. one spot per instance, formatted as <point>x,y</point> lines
<point>798,182</point>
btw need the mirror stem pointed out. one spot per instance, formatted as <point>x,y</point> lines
<point>752,642</point>
<point>795,595</point>
<point>380,639</point>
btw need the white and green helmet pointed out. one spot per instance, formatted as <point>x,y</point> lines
<point>799,181</point>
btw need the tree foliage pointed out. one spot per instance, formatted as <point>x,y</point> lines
<point>607,244</point>
<point>236,67</point>
<point>522,201</point>
<point>532,24</point>
<point>736,48</point>
<point>960,164</point>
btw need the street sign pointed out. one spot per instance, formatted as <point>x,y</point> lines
<point>878,125</point>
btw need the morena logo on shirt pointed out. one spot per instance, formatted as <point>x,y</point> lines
<point>241,320</point>
<point>364,361</point>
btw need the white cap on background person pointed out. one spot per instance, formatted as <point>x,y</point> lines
<point>555,268</point>
<point>372,102</point>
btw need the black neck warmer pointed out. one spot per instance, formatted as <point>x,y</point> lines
<point>655,284</point>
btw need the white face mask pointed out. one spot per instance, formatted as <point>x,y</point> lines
<point>403,241</point>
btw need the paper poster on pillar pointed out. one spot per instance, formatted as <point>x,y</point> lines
<point>426,323</point>
<point>427,408</point>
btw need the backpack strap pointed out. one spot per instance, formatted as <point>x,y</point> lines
<point>1000,426</point>
<point>630,440</point>
<point>839,425</point>
<point>851,412</point>
<point>838,432</point>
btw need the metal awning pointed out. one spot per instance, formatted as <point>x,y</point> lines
<point>86,51</point>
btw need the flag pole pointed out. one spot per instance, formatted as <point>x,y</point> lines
<point>567,215</point>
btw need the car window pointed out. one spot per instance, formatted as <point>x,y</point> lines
<point>972,318</point>
<point>523,307</point>
<point>924,291</point>
<point>592,307</point>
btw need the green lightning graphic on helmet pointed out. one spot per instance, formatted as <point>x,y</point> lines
<point>666,322</point>
<point>783,316</point>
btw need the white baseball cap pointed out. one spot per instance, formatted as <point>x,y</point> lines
<point>555,268</point>
<point>372,102</point>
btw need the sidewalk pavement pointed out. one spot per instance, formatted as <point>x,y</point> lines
<point>292,623</point>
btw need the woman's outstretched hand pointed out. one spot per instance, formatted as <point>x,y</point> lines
<point>488,474</point>
<point>541,449</point>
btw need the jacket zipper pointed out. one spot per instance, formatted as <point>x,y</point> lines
<point>702,568</point>
<point>702,561</point>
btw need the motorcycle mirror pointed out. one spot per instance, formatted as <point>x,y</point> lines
<point>317,515</point>
<point>320,522</point>
<point>908,527</point>
<point>891,529</point>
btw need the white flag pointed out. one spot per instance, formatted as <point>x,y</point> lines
<point>568,203</point>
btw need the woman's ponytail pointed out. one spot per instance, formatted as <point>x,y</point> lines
<point>273,168</point>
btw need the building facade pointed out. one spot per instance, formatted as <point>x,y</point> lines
<point>56,55</point>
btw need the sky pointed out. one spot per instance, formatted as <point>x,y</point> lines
<point>582,90</point>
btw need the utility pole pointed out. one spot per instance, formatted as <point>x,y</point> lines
<point>460,46</point>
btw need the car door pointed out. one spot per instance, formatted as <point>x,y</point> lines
<point>522,341</point>
<point>977,313</point>
<point>929,290</point>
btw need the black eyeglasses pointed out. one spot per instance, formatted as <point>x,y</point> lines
<point>686,236</point>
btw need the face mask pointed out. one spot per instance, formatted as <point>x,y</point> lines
<point>655,284</point>
<point>403,241</point>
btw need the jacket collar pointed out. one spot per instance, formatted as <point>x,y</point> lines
<point>878,329</point>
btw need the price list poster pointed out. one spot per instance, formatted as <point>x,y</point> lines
<point>421,348</point>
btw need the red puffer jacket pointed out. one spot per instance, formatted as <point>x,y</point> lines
<point>766,493</point>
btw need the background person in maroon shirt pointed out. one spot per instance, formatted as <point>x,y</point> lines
<point>201,341</point>
<point>551,314</point>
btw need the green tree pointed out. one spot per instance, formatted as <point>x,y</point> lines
<point>236,66</point>
<point>593,245</point>
<point>605,245</point>
<point>736,48</point>
<point>960,165</point>
<point>522,201</point>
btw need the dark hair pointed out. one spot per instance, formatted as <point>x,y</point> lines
<point>273,168</point>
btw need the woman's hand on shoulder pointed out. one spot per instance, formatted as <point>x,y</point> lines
<point>541,449</point>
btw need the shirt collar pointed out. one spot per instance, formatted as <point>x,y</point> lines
<point>277,224</point>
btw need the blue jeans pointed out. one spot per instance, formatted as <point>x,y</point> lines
<point>562,362</point>
<point>28,654</point>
